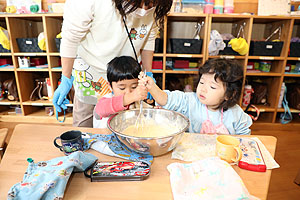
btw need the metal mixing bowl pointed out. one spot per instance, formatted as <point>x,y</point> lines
<point>149,145</point>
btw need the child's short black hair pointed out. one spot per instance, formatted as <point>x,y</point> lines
<point>122,68</point>
<point>231,73</point>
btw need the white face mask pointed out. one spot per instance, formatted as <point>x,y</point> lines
<point>141,12</point>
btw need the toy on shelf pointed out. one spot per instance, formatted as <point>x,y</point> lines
<point>24,6</point>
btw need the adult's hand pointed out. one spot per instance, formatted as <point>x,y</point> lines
<point>150,74</point>
<point>60,94</point>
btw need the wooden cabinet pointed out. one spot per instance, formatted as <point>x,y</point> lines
<point>176,25</point>
<point>256,28</point>
<point>30,26</point>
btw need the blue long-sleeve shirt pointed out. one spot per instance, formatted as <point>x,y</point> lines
<point>235,119</point>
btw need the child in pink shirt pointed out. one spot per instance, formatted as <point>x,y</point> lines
<point>122,75</point>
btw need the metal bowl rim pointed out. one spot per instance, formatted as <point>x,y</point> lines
<point>147,138</point>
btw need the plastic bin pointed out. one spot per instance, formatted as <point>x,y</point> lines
<point>157,64</point>
<point>193,6</point>
<point>28,45</point>
<point>186,46</point>
<point>181,64</point>
<point>262,48</point>
<point>5,61</point>
<point>158,45</point>
<point>57,43</point>
<point>2,50</point>
<point>295,49</point>
<point>228,50</point>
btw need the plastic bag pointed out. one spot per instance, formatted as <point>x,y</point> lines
<point>4,38</point>
<point>42,41</point>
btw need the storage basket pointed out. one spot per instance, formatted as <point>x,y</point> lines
<point>264,48</point>
<point>28,45</point>
<point>57,43</point>
<point>158,45</point>
<point>186,46</point>
<point>2,50</point>
<point>228,50</point>
<point>295,49</point>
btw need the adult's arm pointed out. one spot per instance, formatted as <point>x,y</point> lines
<point>148,49</point>
<point>147,58</point>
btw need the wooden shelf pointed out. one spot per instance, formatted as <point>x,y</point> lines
<point>227,57</point>
<point>265,58</point>
<point>291,109</point>
<point>7,102</point>
<point>261,108</point>
<point>263,74</point>
<point>30,54</point>
<point>181,72</point>
<point>32,69</point>
<point>256,28</point>
<point>38,103</point>
<point>184,55</point>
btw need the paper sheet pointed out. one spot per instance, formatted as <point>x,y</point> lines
<point>194,147</point>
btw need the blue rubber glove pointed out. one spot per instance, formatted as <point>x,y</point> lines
<point>150,74</point>
<point>60,94</point>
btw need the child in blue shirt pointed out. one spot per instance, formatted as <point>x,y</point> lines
<point>213,107</point>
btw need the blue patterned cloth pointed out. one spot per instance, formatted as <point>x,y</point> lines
<point>48,179</point>
<point>110,145</point>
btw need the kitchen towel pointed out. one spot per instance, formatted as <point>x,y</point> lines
<point>210,178</point>
<point>48,179</point>
<point>110,145</point>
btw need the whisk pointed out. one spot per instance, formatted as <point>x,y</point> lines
<point>140,118</point>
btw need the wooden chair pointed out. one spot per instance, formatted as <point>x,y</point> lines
<point>3,135</point>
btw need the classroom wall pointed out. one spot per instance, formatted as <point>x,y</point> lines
<point>240,6</point>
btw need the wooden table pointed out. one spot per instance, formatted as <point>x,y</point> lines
<point>36,142</point>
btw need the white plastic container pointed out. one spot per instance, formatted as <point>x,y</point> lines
<point>228,6</point>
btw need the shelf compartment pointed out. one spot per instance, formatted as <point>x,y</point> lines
<point>53,25</point>
<point>273,88</point>
<point>184,27</point>
<point>179,81</point>
<point>7,111</point>
<point>295,120</point>
<point>264,26</point>
<point>24,27</point>
<point>294,47</point>
<point>27,78</point>
<point>275,67</point>
<point>55,63</point>
<point>230,24</point>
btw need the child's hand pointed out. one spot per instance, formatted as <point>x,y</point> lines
<point>146,81</point>
<point>140,93</point>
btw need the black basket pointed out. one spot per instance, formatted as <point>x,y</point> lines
<point>228,50</point>
<point>158,45</point>
<point>187,46</point>
<point>2,50</point>
<point>57,43</point>
<point>28,45</point>
<point>295,49</point>
<point>262,48</point>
